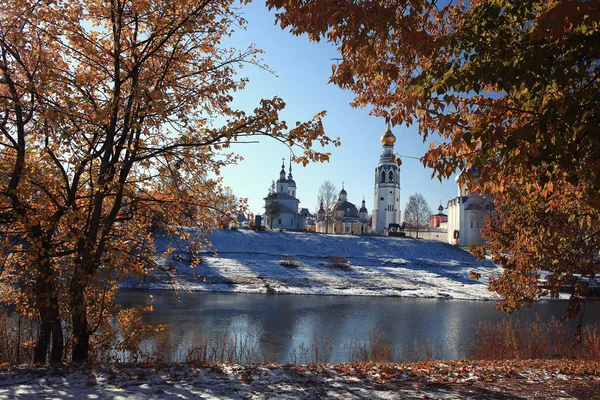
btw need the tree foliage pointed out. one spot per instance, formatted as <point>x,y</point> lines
<point>511,87</point>
<point>108,117</point>
<point>417,213</point>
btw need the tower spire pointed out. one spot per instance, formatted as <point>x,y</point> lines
<point>290,173</point>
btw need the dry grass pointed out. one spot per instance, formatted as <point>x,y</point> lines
<point>515,339</point>
<point>289,261</point>
<point>377,348</point>
<point>232,348</point>
<point>421,352</point>
<point>338,261</point>
<point>319,352</point>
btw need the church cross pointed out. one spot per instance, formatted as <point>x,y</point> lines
<point>342,185</point>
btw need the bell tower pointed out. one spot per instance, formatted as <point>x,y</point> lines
<point>386,204</point>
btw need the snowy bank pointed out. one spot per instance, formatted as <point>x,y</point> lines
<point>250,262</point>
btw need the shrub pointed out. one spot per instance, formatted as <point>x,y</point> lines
<point>515,339</point>
<point>337,261</point>
<point>289,261</point>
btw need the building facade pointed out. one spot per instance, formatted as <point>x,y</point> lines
<point>466,216</point>
<point>343,218</point>
<point>386,204</point>
<point>436,221</point>
<point>281,205</point>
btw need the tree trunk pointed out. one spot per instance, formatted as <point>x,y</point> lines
<point>81,336</point>
<point>50,321</point>
<point>40,351</point>
<point>58,343</point>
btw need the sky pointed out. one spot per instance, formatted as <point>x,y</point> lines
<point>302,70</point>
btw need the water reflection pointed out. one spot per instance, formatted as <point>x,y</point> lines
<point>281,323</point>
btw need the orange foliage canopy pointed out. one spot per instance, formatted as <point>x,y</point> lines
<point>511,87</point>
<point>113,115</point>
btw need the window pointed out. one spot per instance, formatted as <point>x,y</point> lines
<point>471,224</point>
<point>382,176</point>
<point>281,189</point>
<point>279,221</point>
<point>391,176</point>
<point>292,220</point>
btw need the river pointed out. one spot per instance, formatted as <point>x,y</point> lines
<point>280,323</point>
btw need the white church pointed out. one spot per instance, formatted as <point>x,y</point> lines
<point>284,194</point>
<point>466,215</point>
<point>386,204</point>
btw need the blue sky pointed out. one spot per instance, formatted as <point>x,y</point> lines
<point>302,71</point>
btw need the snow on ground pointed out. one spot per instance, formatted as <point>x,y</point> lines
<point>429,380</point>
<point>249,262</point>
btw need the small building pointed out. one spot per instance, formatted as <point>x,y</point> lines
<point>466,216</point>
<point>282,199</point>
<point>343,218</point>
<point>436,221</point>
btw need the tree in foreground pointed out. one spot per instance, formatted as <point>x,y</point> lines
<point>417,213</point>
<point>512,88</point>
<point>108,118</point>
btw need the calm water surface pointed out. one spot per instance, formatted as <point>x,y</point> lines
<point>281,323</point>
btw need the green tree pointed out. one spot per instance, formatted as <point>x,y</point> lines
<point>511,87</point>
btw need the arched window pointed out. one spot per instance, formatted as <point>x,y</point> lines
<point>382,176</point>
<point>471,224</point>
<point>391,176</point>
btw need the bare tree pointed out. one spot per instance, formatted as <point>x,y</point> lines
<point>327,194</point>
<point>417,212</point>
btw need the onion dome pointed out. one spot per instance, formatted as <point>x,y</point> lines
<point>290,180</point>
<point>440,208</point>
<point>388,138</point>
<point>363,209</point>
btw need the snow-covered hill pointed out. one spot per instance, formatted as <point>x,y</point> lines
<point>249,262</point>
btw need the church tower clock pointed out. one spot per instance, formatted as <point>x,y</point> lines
<point>386,206</point>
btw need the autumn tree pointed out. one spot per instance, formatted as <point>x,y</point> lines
<point>110,113</point>
<point>417,213</point>
<point>511,88</point>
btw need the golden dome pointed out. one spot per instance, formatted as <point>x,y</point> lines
<point>388,137</point>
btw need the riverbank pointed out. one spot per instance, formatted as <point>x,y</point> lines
<point>431,380</point>
<point>246,261</point>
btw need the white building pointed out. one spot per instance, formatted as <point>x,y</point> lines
<point>466,216</point>
<point>284,194</point>
<point>386,204</point>
<point>343,218</point>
